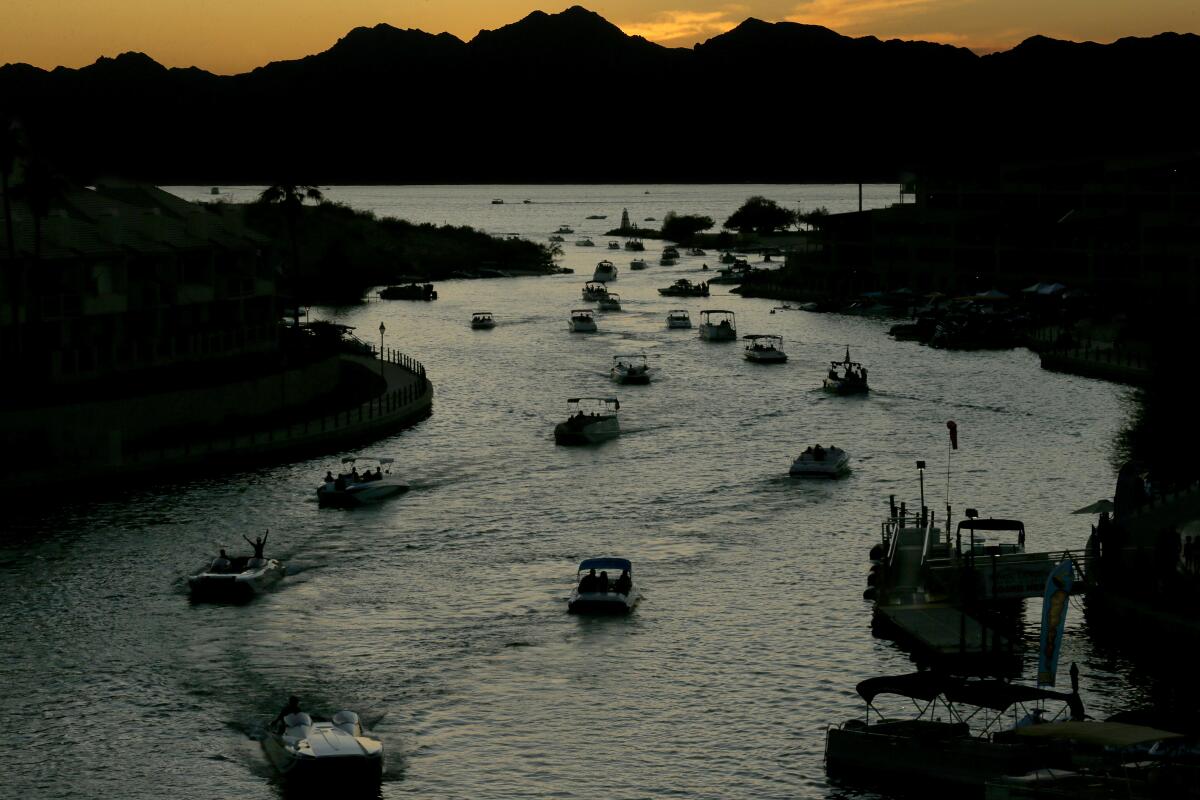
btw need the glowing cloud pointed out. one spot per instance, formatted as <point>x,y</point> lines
<point>685,26</point>
<point>852,14</point>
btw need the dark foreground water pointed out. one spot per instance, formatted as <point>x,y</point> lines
<point>440,616</point>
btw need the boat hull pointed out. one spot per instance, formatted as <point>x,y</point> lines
<point>234,586</point>
<point>602,603</point>
<point>834,465</point>
<point>359,494</point>
<point>581,327</point>
<point>715,333</point>
<point>843,388</point>
<point>770,357</point>
<point>599,431</point>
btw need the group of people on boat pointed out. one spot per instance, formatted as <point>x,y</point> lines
<point>817,452</point>
<point>224,564</point>
<point>852,373</point>
<point>601,583</point>
<point>339,483</point>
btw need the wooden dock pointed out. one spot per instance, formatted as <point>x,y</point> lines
<point>945,633</point>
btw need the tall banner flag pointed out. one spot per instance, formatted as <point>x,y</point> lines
<point>1054,619</point>
<point>953,427</point>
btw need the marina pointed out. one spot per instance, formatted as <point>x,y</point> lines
<point>693,489</point>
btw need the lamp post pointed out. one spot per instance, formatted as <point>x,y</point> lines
<point>382,330</point>
<point>921,472</point>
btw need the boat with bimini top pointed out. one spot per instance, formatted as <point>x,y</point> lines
<point>679,318</point>
<point>482,320</point>
<point>590,420</point>
<point>764,348</point>
<point>718,325</point>
<point>601,593</point>
<point>633,368</point>
<point>852,380</point>
<point>581,321</point>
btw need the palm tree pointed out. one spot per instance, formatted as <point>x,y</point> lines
<point>290,198</point>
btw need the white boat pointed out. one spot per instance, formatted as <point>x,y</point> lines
<point>764,348</point>
<point>679,318</point>
<point>605,272</point>
<point>584,243</point>
<point>482,320</point>
<point>820,462</point>
<point>597,592</point>
<point>591,420</point>
<point>631,369</point>
<point>852,380</point>
<point>717,325</point>
<point>305,750</point>
<point>610,302</point>
<point>593,291</point>
<point>352,489</point>
<point>582,321</point>
<point>244,577</point>
<point>637,264</point>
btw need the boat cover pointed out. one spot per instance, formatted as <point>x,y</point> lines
<point>918,685</point>
<point>1115,735</point>
<point>998,695</point>
<point>992,524</point>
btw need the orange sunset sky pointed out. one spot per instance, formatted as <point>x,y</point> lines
<point>229,36</point>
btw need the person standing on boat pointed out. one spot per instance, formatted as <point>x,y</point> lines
<point>258,544</point>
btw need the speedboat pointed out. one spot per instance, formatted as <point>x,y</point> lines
<point>307,750</point>
<point>853,379</point>
<point>685,288</point>
<point>631,369</point>
<point>564,229</point>
<point>497,202</point>
<point>764,348</point>
<point>589,427</point>
<point>614,245</point>
<point>606,272</point>
<point>352,489</point>
<point>820,462</point>
<point>482,320</point>
<point>246,576</point>
<point>581,321</point>
<point>584,243</point>
<point>717,325</point>
<point>603,594</point>
<point>610,302</point>
<point>593,290</point>
<point>679,318</point>
<point>637,264</point>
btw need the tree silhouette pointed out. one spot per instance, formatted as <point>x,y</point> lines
<point>290,199</point>
<point>760,215</point>
<point>682,227</point>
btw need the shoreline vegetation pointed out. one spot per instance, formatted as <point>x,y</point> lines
<point>341,252</point>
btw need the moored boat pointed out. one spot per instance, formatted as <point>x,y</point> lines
<point>601,593</point>
<point>412,291</point>
<point>590,420</point>
<point>820,462</point>
<point>764,348</point>
<point>718,325</point>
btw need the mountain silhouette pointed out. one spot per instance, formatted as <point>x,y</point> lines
<point>571,97</point>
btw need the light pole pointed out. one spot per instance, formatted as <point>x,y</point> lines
<point>382,330</point>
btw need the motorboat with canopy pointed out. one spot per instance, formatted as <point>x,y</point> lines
<point>684,288</point>
<point>582,321</point>
<point>633,368</point>
<point>482,320</point>
<point>962,734</point>
<point>718,325</point>
<point>242,578</point>
<point>303,749</point>
<point>679,318</point>
<point>764,348</point>
<point>604,586</point>
<point>593,291</point>
<point>852,380</point>
<point>352,489</point>
<point>590,420</point>
<point>605,272</point>
<point>820,462</point>
<point>612,302</point>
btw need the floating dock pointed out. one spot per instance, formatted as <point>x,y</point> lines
<point>940,632</point>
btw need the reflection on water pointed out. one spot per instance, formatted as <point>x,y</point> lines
<point>440,617</point>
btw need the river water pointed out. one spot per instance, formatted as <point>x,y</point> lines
<point>440,616</point>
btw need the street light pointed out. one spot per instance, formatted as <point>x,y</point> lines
<point>921,472</point>
<point>382,330</point>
